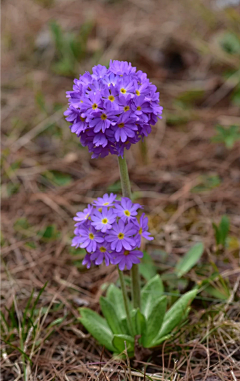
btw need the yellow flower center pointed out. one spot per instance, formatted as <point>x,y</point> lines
<point>127,213</point>
<point>126,252</point>
<point>94,106</point>
<point>137,92</point>
<point>140,231</point>
<point>121,125</point>
<point>104,220</point>
<point>126,108</point>
<point>106,203</point>
<point>103,116</point>
<point>120,235</point>
<point>111,98</point>
<point>82,119</point>
<point>99,209</point>
<point>91,235</point>
<point>139,108</point>
<point>102,249</point>
<point>123,91</point>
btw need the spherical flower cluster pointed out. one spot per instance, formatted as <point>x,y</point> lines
<point>109,230</point>
<point>112,108</point>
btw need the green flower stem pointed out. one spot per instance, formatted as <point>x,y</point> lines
<point>126,301</point>
<point>136,287</point>
<point>125,182</point>
<point>144,151</point>
<point>126,191</point>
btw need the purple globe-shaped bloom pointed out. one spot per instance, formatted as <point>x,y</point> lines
<point>113,108</point>
<point>109,231</point>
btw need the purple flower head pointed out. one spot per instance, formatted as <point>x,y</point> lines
<point>127,210</point>
<point>109,231</point>
<point>103,220</point>
<point>127,258</point>
<point>142,230</point>
<point>111,109</point>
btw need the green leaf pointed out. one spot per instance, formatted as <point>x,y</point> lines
<point>138,322</point>
<point>114,295</point>
<point>224,229</point>
<point>97,326</point>
<point>151,292</point>
<point>116,187</point>
<point>221,231</point>
<point>57,34</point>
<point>110,314</point>
<point>236,96</point>
<point>189,259</point>
<point>216,293</point>
<point>57,321</point>
<point>49,233</point>
<point>154,322</point>
<point>190,97</point>
<point>230,42</point>
<point>176,119</point>
<point>175,314</point>
<point>227,135</point>
<point>147,267</point>
<point>118,343</point>
<point>124,325</point>
<point>160,340</point>
<point>206,183</point>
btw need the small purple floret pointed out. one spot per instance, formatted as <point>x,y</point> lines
<point>87,261</point>
<point>81,217</point>
<point>127,210</point>
<point>127,258</point>
<point>142,229</point>
<point>106,200</point>
<point>103,220</point>
<point>103,252</point>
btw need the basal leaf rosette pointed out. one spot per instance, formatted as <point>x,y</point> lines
<point>111,109</point>
<point>111,231</point>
